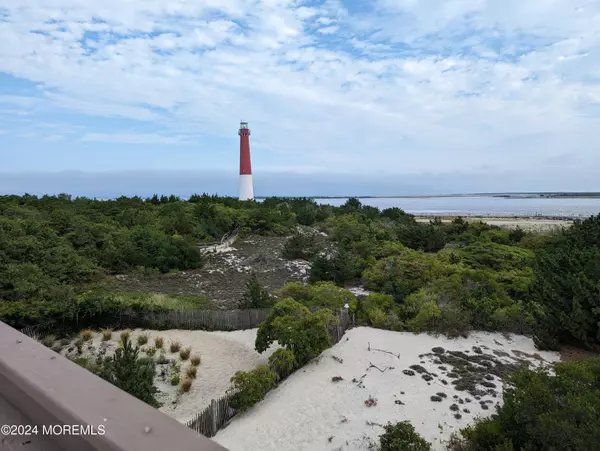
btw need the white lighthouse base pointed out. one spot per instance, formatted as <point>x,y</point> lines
<point>246,187</point>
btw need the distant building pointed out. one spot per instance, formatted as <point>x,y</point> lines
<point>246,187</point>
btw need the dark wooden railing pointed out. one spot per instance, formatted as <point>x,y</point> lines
<point>43,395</point>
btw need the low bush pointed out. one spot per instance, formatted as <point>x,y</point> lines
<point>186,385</point>
<point>175,379</point>
<point>282,362</point>
<point>319,294</point>
<point>249,387</point>
<point>191,372</point>
<point>106,334</point>
<point>86,335</point>
<point>428,318</point>
<point>174,346</point>
<point>402,437</point>
<point>299,246</point>
<point>125,335</point>
<point>184,354</point>
<point>49,340</point>
<point>195,360</point>
<point>162,358</point>
<point>542,411</point>
<point>79,345</point>
<point>151,351</point>
<point>158,342</point>
<point>142,339</point>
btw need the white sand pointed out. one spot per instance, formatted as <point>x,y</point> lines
<point>528,224</point>
<point>308,408</point>
<point>221,353</point>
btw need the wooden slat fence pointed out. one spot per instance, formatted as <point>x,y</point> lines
<point>213,418</point>
<point>194,319</point>
<point>219,413</point>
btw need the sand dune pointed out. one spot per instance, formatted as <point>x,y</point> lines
<point>309,412</point>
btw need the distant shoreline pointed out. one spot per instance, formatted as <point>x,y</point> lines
<point>496,195</point>
<point>540,195</point>
<point>528,223</point>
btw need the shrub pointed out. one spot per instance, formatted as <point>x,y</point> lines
<point>49,340</point>
<point>79,345</point>
<point>151,351</point>
<point>191,372</point>
<point>86,334</point>
<point>319,294</point>
<point>186,385</point>
<point>175,379</point>
<point>174,346</point>
<point>249,387</point>
<point>106,334</point>
<point>195,360</point>
<point>455,321</point>
<point>541,411</point>
<point>142,339</point>
<point>402,437</point>
<point>158,342</point>
<point>401,275</point>
<point>299,246</point>
<point>184,354</point>
<point>162,358</point>
<point>567,281</point>
<point>256,296</point>
<point>340,267</point>
<point>377,317</point>
<point>282,362</point>
<point>427,318</point>
<point>65,342</point>
<point>131,373</point>
<point>125,335</point>
<point>294,327</point>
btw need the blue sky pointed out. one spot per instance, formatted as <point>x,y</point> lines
<point>386,96</point>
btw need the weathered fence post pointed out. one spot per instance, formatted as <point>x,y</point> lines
<point>213,408</point>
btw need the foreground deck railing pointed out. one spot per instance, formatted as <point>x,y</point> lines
<point>53,404</point>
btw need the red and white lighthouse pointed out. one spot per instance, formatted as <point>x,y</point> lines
<point>246,187</point>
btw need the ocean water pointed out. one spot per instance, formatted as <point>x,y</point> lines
<point>484,206</point>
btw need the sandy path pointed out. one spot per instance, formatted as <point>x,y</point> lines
<point>308,408</point>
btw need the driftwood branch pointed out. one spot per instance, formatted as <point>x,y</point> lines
<point>382,370</point>
<point>383,350</point>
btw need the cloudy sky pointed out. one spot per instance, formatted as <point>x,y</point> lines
<point>357,96</point>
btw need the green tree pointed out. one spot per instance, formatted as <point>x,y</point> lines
<point>567,285</point>
<point>131,373</point>
<point>256,296</point>
<point>295,328</point>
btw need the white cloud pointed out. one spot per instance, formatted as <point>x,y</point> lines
<point>410,86</point>
<point>132,138</point>
<point>329,30</point>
